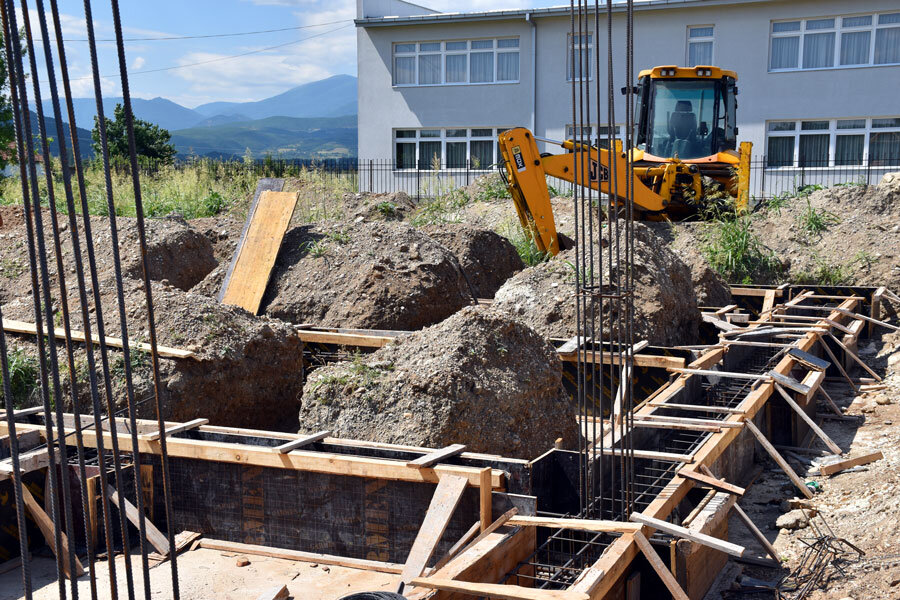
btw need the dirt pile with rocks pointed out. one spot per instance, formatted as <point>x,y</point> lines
<point>243,362</point>
<point>176,252</point>
<point>461,381</point>
<point>710,287</point>
<point>665,309</point>
<point>394,206</point>
<point>364,275</point>
<point>487,258</point>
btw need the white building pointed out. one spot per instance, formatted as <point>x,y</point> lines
<point>819,82</point>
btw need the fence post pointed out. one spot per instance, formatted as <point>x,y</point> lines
<point>371,176</point>
<point>868,169</point>
<point>762,187</point>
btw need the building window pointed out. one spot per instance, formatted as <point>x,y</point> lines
<point>597,136</point>
<point>833,143</point>
<point>456,148</point>
<point>456,62</point>
<point>579,54</point>
<point>828,43</point>
<point>700,45</point>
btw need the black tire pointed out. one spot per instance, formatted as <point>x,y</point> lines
<point>373,596</point>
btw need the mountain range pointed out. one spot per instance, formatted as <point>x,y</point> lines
<point>313,120</point>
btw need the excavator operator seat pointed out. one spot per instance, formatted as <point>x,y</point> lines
<point>683,129</point>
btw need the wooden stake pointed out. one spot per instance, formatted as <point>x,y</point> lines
<point>834,407</point>
<point>853,355</point>
<point>154,535</point>
<point>838,364</point>
<point>768,447</point>
<point>499,591</point>
<point>806,418</point>
<point>656,562</point>
<point>712,481</point>
<point>45,524</point>
<point>683,532</point>
<point>485,492</point>
<point>850,462</point>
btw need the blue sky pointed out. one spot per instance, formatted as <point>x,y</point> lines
<point>326,48</point>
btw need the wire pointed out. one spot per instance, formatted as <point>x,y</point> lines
<point>221,58</point>
<point>211,35</point>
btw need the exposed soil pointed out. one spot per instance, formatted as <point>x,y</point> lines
<point>665,309</point>
<point>487,258</point>
<point>365,275</point>
<point>710,288</point>
<point>244,361</point>
<point>461,381</point>
<point>377,207</point>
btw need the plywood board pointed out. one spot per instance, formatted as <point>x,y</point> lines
<point>259,249</point>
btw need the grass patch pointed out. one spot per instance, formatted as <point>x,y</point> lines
<point>23,377</point>
<point>10,268</point>
<point>824,273</point>
<point>316,249</point>
<point>523,241</point>
<point>734,250</point>
<point>814,221</point>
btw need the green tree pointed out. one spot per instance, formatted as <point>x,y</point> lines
<point>151,141</point>
<point>7,127</point>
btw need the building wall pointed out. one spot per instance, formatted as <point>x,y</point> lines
<point>741,43</point>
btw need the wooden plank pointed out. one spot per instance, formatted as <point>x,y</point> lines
<point>446,497</point>
<point>834,324</point>
<point>494,590</point>
<point>669,456</point>
<point>22,327</point>
<point>279,592</point>
<point>724,374</point>
<point>725,309</point>
<point>694,536</point>
<point>745,291</point>
<point>768,447</point>
<point>259,249</point>
<point>485,492</point>
<point>656,562</point>
<point>854,356</point>
<point>297,555</point>
<point>712,481</point>
<point>437,456</point>
<point>174,429</point>
<point>92,484</point>
<point>156,537</point>
<point>619,402</point>
<point>714,320</point>
<point>696,407</point>
<point>596,525</point>
<point>573,344</point>
<point>789,382</point>
<point>875,307</point>
<point>147,486</point>
<point>640,360</point>
<point>302,441</point>
<point>12,564</point>
<point>722,424</point>
<point>837,363</point>
<point>810,361</point>
<point>183,539</point>
<point>500,522</point>
<point>45,524</point>
<point>676,426</point>
<point>809,421</point>
<point>28,462</point>
<point>456,548</point>
<point>850,462</point>
<point>344,339</point>
<point>768,302</point>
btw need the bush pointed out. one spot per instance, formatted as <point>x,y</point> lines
<point>523,241</point>
<point>23,377</point>
<point>735,251</point>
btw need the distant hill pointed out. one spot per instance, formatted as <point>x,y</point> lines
<point>332,97</point>
<point>162,112</point>
<point>288,137</point>
<point>84,136</point>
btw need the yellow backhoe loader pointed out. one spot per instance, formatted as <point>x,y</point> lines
<point>686,154</point>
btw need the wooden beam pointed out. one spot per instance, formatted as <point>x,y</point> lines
<point>854,356</point>
<point>45,524</point>
<point>662,418</point>
<point>456,548</point>
<point>594,525</point>
<point>301,441</point>
<point>345,339</point>
<point>437,456</point>
<point>154,535</point>
<point>768,447</point>
<point>446,497</point>
<point>494,590</point>
<point>789,382</point>
<point>712,481</point>
<point>500,522</point>
<point>639,360</point>
<point>656,562</point>
<point>849,463</point>
<point>745,291</point>
<point>834,407</point>
<point>322,559</point>
<point>676,426</point>
<point>837,363</point>
<point>648,454</point>
<point>696,407</point>
<point>619,402</point>
<point>92,484</point>
<point>484,495</point>
<point>694,536</point>
<point>174,429</point>
<point>718,323</point>
<point>79,336</point>
<point>724,374</point>
<point>809,421</point>
<point>831,323</point>
<point>279,592</point>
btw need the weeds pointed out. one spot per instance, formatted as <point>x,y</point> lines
<point>23,377</point>
<point>339,237</point>
<point>523,241</point>
<point>11,268</point>
<point>824,273</point>
<point>387,209</point>
<point>493,188</point>
<point>815,220</point>
<point>316,249</point>
<point>734,250</point>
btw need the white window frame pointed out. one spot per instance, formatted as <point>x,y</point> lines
<point>444,139</point>
<point>592,62</point>
<point>443,53</point>
<point>838,29</point>
<point>692,40</point>
<point>832,132</point>
<point>594,132</point>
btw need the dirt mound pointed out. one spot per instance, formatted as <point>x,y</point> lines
<point>394,206</point>
<point>710,288</point>
<point>665,309</point>
<point>366,275</point>
<point>479,378</point>
<point>175,251</point>
<point>839,235</point>
<point>487,258</point>
<point>245,362</point>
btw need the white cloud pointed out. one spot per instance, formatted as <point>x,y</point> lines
<point>138,63</point>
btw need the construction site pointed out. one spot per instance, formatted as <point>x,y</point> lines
<point>370,407</point>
